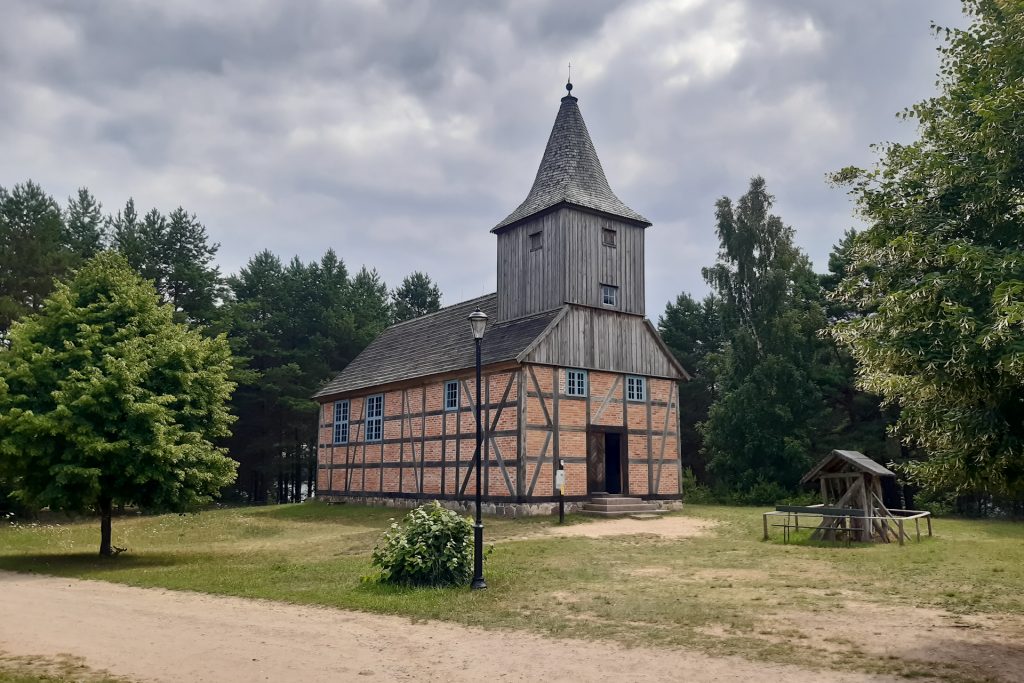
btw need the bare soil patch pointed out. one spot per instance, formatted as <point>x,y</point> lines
<point>674,527</point>
<point>978,645</point>
<point>161,635</point>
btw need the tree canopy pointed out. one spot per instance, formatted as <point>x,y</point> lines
<point>759,429</point>
<point>416,296</point>
<point>937,278</point>
<point>106,400</point>
<point>34,250</point>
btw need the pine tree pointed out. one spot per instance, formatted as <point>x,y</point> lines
<point>417,295</point>
<point>369,304</point>
<point>34,250</point>
<point>86,229</point>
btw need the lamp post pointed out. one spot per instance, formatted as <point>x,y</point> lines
<point>478,323</point>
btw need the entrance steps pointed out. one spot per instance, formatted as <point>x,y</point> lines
<point>614,505</point>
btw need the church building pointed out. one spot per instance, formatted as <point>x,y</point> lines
<point>573,370</point>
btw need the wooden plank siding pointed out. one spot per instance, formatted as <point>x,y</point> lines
<point>531,281</point>
<point>571,265</point>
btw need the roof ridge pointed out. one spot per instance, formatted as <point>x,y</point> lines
<point>439,311</point>
<point>530,316</point>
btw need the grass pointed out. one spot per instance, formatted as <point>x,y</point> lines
<point>61,669</point>
<point>725,593</point>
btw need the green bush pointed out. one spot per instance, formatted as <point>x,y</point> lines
<point>696,493</point>
<point>432,547</point>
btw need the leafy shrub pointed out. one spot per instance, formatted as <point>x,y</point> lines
<point>432,547</point>
<point>696,493</point>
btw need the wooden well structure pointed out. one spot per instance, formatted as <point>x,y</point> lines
<point>852,502</point>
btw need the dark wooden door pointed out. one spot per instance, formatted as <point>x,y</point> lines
<point>595,462</point>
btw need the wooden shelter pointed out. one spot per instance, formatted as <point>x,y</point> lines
<point>851,490</point>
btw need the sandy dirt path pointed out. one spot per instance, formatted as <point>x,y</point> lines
<point>160,635</point>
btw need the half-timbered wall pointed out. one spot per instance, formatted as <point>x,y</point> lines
<point>425,451</point>
<point>556,427</point>
<point>571,265</point>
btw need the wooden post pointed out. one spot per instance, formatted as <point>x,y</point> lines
<point>917,525</point>
<point>929,518</point>
<point>899,523</point>
<point>764,517</point>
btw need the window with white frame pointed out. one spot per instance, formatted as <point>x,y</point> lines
<point>374,417</point>
<point>609,295</point>
<point>576,382</point>
<point>636,388</point>
<point>340,422</point>
<point>451,395</point>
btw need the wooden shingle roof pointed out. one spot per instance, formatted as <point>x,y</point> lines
<point>847,461</point>
<point>570,173</point>
<point>436,343</point>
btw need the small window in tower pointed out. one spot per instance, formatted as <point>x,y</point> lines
<point>536,240</point>
<point>609,295</point>
<point>608,237</point>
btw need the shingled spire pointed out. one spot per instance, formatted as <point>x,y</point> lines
<point>570,173</point>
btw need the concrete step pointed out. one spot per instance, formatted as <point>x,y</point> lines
<point>620,509</point>
<point>616,500</point>
<point>651,514</point>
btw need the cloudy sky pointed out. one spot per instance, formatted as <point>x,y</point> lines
<point>399,132</point>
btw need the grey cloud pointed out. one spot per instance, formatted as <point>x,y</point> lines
<point>399,132</point>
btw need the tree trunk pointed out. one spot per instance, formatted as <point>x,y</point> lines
<point>106,550</point>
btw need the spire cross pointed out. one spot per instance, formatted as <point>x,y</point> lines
<point>568,83</point>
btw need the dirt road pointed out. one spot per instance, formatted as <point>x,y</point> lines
<point>160,635</point>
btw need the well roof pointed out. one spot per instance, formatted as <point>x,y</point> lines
<point>570,173</point>
<point>435,343</point>
<point>838,459</point>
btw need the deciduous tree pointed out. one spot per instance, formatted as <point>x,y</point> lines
<point>760,427</point>
<point>106,400</point>
<point>938,277</point>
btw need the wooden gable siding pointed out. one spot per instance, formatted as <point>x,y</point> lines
<point>596,339</point>
<point>426,451</point>
<point>555,427</point>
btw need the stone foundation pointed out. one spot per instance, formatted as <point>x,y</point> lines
<point>468,507</point>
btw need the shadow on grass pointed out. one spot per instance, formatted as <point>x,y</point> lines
<point>317,511</point>
<point>77,564</point>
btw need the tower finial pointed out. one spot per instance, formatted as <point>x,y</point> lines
<point>568,82</point>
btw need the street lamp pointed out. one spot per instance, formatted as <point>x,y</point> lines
<point>478,323</point>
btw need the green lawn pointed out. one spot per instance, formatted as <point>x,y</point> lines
<point>727,592</point>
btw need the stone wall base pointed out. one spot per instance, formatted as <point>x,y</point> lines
<point>468,507</point>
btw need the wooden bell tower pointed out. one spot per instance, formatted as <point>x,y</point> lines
<point>571,240</point>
